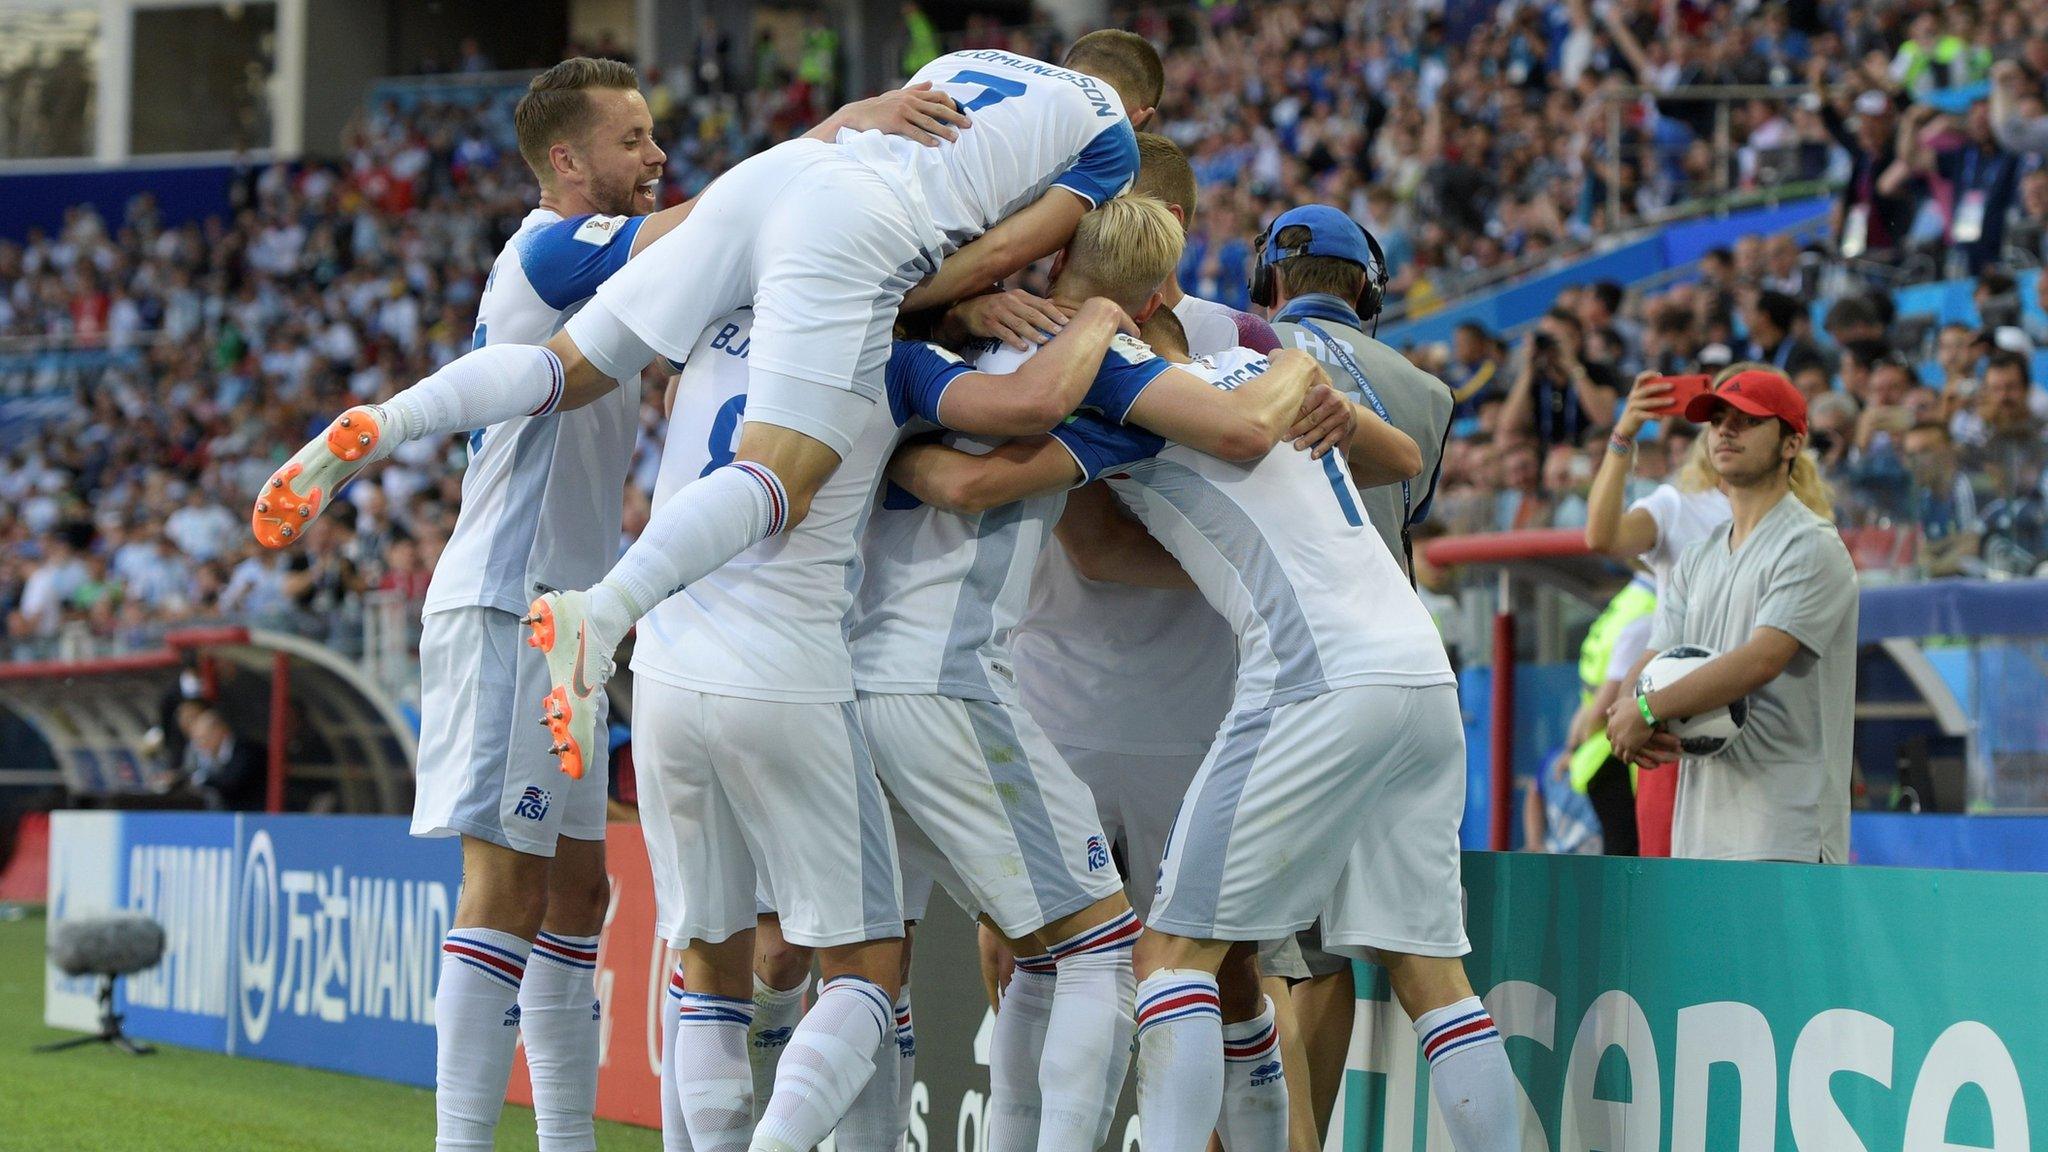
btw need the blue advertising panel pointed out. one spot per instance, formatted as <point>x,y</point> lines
<point>178,868</point>
<point>337,943</point>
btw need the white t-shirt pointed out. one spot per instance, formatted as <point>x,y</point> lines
<point>542,496</point>
<point>770,623</point>
<point>1283,549</point>
<point>1682,518</point>
<point>1035,126</point>
<point>1142,671</point>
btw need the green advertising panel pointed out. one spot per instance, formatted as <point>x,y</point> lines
<point>1654,1005</point>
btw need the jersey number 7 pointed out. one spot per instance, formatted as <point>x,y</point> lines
<point>995,89</point>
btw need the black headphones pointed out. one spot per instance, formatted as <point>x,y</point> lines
<point>1371,298</point>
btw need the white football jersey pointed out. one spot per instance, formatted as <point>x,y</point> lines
<point>942,592</point>
<point>542,496</point>
<point>1282,548</point>
<point>1138,670</point>
<point>770,623</point>
<point>1035,126</point>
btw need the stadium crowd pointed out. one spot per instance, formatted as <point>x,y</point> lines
<point>1470,146</point>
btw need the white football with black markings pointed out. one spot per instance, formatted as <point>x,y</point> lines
<point>1709,732</point>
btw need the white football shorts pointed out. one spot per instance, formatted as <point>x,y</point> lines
<point>1136,798</point>
<point>1268,828</point>
<point>980,779</point>
<point>745,802</point>
<point>484,765</point>
<point>821,246</point>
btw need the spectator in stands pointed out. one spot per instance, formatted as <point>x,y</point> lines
<point>1473,371</point>
<point>1558,395</point>
<point>1981,177</point>
<point>1869,221</point>
<point>1943,506</point>
<point>1854,319</point>
<point>49,587</point>
<point>202,527</point>
<point>1772,320</point>
<point>1521,502</point>
<point>2000,437</point>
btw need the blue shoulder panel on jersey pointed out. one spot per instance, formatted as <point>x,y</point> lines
<point>1100,446</point>
<point>567,260</point>
<point>1106,167</point>
<point>1118,382</point>
<point>917,376</point>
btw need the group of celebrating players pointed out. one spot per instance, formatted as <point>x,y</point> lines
<point>1052,585</point>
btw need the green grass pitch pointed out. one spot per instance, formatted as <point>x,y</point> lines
<point>94,1099</point>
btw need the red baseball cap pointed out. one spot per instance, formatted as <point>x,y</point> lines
<point>1759,392</point>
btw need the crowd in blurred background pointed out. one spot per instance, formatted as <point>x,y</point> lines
<point>198,355</point>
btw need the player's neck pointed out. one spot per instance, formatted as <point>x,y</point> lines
<point>1751,503</point>
<point>1170,294</point>
<point>567,202</point>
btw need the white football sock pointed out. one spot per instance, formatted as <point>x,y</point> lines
<point>830,1057</point>
<point>713,1085</point>
<point>906,1060</point>
<point>476,390</point>
<point>1180,1059</point>
<point>1015,1053</point>
<point>559,1016</point>
<point>1470,1077</point>
<point>1254,1117</point>
<point>696,531</point>
<point>870,1121</point>
<point>880,1115</point>
<point>675,1134</point>
<point>776,1012</point>
<point>476,1028</point>
<point>1080,1076</point>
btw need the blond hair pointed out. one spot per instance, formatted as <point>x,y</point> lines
<point>1164,171</point>
<point>1125,249</point>
<point>556,108</point>
<point>1697,473</point>
<point>1803,477</point>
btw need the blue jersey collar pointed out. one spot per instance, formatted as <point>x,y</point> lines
<point>1319,306</point>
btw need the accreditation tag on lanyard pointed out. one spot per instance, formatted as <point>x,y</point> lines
<point>1968,227</point>
<point>1856,232</point>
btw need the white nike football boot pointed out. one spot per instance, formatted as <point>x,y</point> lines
<point>577,673</point>
<point>296,494</point>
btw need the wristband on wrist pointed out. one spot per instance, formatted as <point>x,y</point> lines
<point>1643,706</point>
<point>1621,447</point>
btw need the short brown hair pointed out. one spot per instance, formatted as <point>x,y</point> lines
<point>1164,172</point>
<point>555,106</point>
<point>1326,274</point>
<point>1126,249</point>
<point>1125,59</point>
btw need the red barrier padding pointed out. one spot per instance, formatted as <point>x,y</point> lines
<point>26,878</point>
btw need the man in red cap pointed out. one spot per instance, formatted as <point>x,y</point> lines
<point>1774,594</point>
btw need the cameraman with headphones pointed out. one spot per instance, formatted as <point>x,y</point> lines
<point>1322,277</point>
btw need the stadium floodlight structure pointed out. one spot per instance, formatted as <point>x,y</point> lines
<point>108,947</point>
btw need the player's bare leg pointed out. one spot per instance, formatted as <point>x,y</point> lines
<point>782,975</point>
<point>879,1116</point>
<point>483,387</point>
<point>765,490</point>
<point>1469,1075</point>
<point>1325,1006</point>
<point>714,1086</point>
<point>1180,1039</point>
<point>832,1053</point>
<point>559,1016</point>
<point>476,1003</point>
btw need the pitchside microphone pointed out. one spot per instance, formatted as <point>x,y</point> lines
<point>108,947</point>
